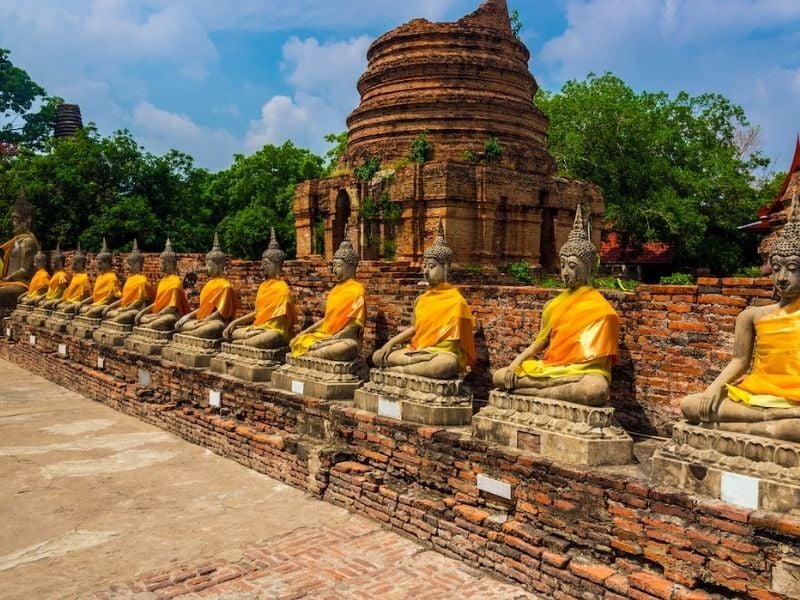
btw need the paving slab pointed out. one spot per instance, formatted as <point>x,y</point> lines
<point>99,504</point>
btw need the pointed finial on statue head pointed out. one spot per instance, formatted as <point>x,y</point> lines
<point>104,254</point>
<point>439,250</point>
<point>578,243</point>
<point>273,252</point>
<point>22,208</point>
<point>216,254</point>
<point>168,253</point>
<point>346,252</point>
<point>788,242</point>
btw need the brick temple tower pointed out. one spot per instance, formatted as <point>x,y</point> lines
<point>457,85</point>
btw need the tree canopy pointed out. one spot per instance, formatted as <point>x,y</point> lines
<point>671,169</point>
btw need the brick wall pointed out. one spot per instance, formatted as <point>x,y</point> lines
<point>674,340</point>
<point>568,532</point>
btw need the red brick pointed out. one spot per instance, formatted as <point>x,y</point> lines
<point>593,572</point>
<point>653,584</point>
<point>472,513</point>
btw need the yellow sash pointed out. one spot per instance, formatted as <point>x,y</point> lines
<point>275,308</point>
<point>774,381</point>
<point>345,304</point>
<point>583,329</point>
<point>443,322</point>
<point>170,293</point>
<point>218,294</point>
<point>79,288</point>
<point>57,281</point>
<point>136,288</point>
<point>106,288</point>
<point>38,284</point>
<point>6,251</point>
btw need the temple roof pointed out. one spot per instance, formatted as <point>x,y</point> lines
<point>769,215</point>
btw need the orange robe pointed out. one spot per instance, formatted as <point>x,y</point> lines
<point>218,294</point>
<point>774,380</point>
<point>79,288</point>
<point>583,332</point>
<point>275,308</point>
<point>443,322</point>
<point>57,281</point>
<point>6,249</point>
<point>38,285</point>
<point>106,288</point>
<point>345,305</point>
<point>170,293</point>
<point>136,288</point>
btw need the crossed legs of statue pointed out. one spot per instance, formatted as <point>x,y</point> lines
<point>207,330</point>
<point>776,423</point>
<point>126,317</point>
<point>345,349</point>
<point>159,322</point>
<point>93,312</point>
<point>257,338</point>
<point>437,365</point>
<point>10,293</point>
<point>590,389</point>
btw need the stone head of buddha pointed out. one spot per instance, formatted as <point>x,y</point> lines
<point>215,259</point>
<point>272,258</point>
<point>21,214</point>
<point>40,260</point>
<point>436,259</point>
<point>104,258</point>
<point>168,260</point>
<point>784,258</point>
<point>577,256</point>
<point>57,259</point>
<point>79,261</point>
<point>345,260</point>
<point>135,259</point>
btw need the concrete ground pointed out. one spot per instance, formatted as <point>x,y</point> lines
<point>96,503</point>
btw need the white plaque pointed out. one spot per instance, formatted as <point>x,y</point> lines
<point>32,340</point>
<point>144,377</point>
<point>298,386</point>
<point>62,349</point>
<point>389,408</point>
<point>101,362</point>
<point>214,398</point>
<point>494,486</point>
<point>739,489</point>
<point>8,332</point>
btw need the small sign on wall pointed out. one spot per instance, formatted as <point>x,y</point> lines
<point>101,362</point>
<point>214,398</point>
<point>62,350</point>
<point>144,377</point>
<point>494,486</point>
<point>739,489</point>
<point>389,408</point>
<point>32,340</point>
<point>8,332</point>
<point>298,386</point>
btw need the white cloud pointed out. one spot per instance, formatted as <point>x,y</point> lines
<point>161,130</point>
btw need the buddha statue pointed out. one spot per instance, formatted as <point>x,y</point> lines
<point>272,322</point>
<point>17,254</point>
<point>170,300</point>
<point>106,287</point>
<point>439,344</point>
<point>337,336</point>
<point>57,283</point>
<point>136,293</point>
<point>78,290</point>
<point>765,401</point>
<point>218,301</point>
<point>578,336</point>
<point>37,288</point>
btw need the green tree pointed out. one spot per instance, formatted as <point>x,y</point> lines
<point>670,168</point>
<point>332,156</point>
<point>26,110</point>
<point>256,193</point>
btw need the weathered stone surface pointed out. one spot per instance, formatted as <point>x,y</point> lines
<point>58,321</point>
<point>83,327</point>
<point>38,317</point>
<point>149,342</point>
<point>696,458</point>
<point>190,351</point>
<point>248,363</point>
<point>112,334</point>
<point>565,431</point>
<point>320,378</point>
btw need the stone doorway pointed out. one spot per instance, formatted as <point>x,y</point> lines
<point>340,218</point>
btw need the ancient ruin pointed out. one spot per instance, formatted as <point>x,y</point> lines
<point>461,94</point>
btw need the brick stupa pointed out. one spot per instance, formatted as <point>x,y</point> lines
<point>458,84</point>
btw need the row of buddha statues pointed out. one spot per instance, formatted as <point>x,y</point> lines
<point>558,385</point>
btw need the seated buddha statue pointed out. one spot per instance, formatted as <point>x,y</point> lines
<point>765,401</point>
<point>78,290</point>
<point>218,301</point>
<point>136,293</point>
<point>17,254</point>
<point>337,336</point>
<point>439,344</point>
<point>170,300</point>
<point>578,339</point>
<point>272,322</point>
<point>37,288</point>
<point>57,283</point>
<point>106,289</point>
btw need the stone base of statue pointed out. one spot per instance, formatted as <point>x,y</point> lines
<point>149,342</point>
<point>38,317</point>
<point>565,431</point>
<point>58,321</point>
<point>83,327</point>
<point>415,399</point>
<point>248,363</point>
<point>21,313</point>
<point>191,351</point>
<point>111,333</point>
<point>738,468</point>
<point>320,378</point>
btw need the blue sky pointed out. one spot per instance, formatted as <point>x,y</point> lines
<point>213,78</point>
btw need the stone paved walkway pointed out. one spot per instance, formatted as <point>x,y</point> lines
<point>98,504</point>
